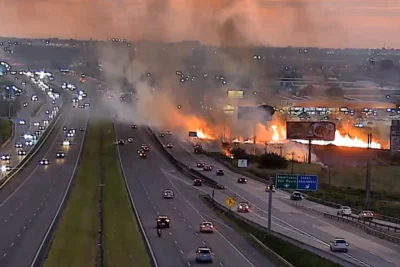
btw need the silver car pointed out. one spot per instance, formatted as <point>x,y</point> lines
<point>339,245</point>
<point>168,193</point>
<point>204,254</point>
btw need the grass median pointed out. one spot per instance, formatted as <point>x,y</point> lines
<point>5,130</point>
<point>122,242</point>
<point>75,242</point>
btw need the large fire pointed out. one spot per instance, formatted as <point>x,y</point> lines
<point>279,136</point>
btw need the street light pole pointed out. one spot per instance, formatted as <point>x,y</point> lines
<point>292,162</point>
<point>270,205</point>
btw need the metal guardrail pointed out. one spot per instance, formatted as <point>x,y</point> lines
<point>32,152</point>
<point>325,254</point>
<point>359,223</point>
<point>184,168</point>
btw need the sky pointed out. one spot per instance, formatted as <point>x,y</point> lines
<point>322,23</point>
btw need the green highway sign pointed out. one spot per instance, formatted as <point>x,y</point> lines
<point>286,181</point>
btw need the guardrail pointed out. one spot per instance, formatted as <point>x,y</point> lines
<point>359,223</point>
<point>32,152</point>
<point>184,168</point>
<point>325,254</point>
<point>306,196</point>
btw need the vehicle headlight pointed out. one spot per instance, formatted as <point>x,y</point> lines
<point>167,220</point>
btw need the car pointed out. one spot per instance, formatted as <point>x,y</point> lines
<point>18,145</point>
<point>45,122</point>
<point>163,221</point>
<point>47,111</point>
<point>37,133</point>
<point>134,126</point>
<point>197,182</point>
<point>44,162</point>
<point>21,152</point>
<point>206,227</point>
<point>29,143</point>
<point>204,254</point>
<point>140,151</point>
<point>81,129</point>
<point>170,145</point>
<point>168,132</point>
<point>143,155</point>
<point>243,207</point>
<point>220,172</point>
<point>130,139</point>
<point>25,104</point>
<point>198,149</point>
<point>207,168</point>
<point>366,215</point>
<point>296,196</point>
<point>81,106</point>
<point>344,211</point>
<point>6,168</point>
<point>64,128</point>
<point>339,245</point>
<point>60,154</point>
<point>268,187</point>
<point>5,157</point>
<point>66,143</point>
<point>161,135</point>
<point>22,122</point>
<point>242,180</point>
<point>36,124</point>
<point>168,193</point>
<point>121,142</point>
<point>200,165</point>
<point>41,128</point>
<point>69,134</point>
<point>146,148</point>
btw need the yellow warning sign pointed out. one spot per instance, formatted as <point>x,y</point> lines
<point>230,201</point>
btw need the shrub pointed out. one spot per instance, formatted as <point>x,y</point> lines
<point>239,153</point>
<point>272,161</point>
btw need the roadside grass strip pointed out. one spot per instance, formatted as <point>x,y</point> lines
<point>5,130</point>
<point>122,241</point>
<point>75,241</point>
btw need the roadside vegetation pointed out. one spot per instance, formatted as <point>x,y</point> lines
<point>5,130</point>
<point>76,239</point>
<point>291,253</point>
<point>347,183</point>
<point>9,108</point>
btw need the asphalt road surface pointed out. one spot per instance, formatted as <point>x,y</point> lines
<point>364,249</point>
<point>147,178</point>
<point>29,204</point>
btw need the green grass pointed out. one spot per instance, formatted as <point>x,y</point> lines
<point>347,183</point>
<point>76,237</point>
<point>293,254</point>
<point>123,244</point>
<point>5,130</point>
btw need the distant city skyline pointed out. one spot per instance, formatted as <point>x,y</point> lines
<point>321,23</point>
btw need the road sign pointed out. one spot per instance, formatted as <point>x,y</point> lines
<point>192,134</point>
<point>307,182</point>
<point>242,163</point>
<point>297,182</point>
<point>286,181</point>
<point>230,201</point>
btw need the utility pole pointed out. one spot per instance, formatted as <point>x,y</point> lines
<point>254,139</point>
<point>368,175</point>
<point>281,150</point>
<point>292,162</point>
<point>309,151</point>
<point>329,179</point>
<point>270,204</point>
<point>265,148</point>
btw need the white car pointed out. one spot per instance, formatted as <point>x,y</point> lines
<point>44,162</point>
<point>206,227</point>
<point>339,245</point>
<point>344,211</point>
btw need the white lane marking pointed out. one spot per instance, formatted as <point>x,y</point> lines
<point>201,216</point>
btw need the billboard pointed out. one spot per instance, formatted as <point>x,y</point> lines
<point>235,93</point>
<point>229,109</point>
<point>192,134</point>
<point>309,130</point>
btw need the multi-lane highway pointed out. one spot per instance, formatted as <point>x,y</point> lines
<point>146,179</point>
<point>29,204</point>
<point>365,250</point>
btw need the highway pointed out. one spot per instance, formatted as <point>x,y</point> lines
<point>146,179</point>
<point>364,249</point>
<point>29,127</point>
<point>29,204</point>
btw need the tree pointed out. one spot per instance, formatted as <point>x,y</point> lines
<point>272,161</point>
<point>239,153</point>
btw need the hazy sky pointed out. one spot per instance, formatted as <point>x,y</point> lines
<point>332,23</point>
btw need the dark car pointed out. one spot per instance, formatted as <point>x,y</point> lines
<point>207,168</point>
<point>134,126</point>
<point>197,182</point>
<point>220,172</point>
<point>81,129</point>
<point>130,139</point>
<point>200,165</point>
<point>170,145</point>
<point>60,154</point>
<point>296,196</point>
<point>121,142</point>
<point>142,155</point>
<point>163,221</point>
<point>242,180</point>
<point>162,135</point>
